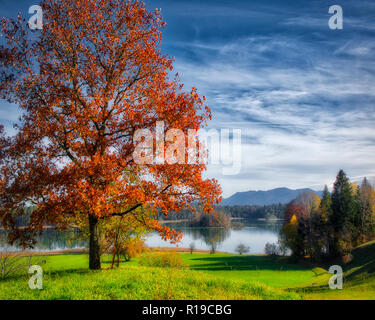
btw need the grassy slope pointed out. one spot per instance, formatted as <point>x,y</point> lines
<point>219,276</point>
<point>309,280</point>
<point>275,272</point>
<point>359,278</point>
<point>66,277</point>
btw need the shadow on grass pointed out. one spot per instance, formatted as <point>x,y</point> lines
<point>361,273</point>
<point>363,263</point>
<point>223,263</point>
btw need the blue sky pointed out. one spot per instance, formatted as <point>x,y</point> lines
<point>302,94</point>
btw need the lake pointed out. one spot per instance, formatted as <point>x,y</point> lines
<point>254,234</point>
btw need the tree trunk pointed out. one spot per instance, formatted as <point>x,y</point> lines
<point>94,249</point>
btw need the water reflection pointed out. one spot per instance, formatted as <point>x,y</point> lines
<point>211,236</point>
<point>50,240</point>
<point>252,233</point>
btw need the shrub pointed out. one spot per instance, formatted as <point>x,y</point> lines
<point>122,236</point>
<point>162,260</point>
<point>16,263</point>
<point>241,249</point>
<point>272,249</point>
<point>132,248</point>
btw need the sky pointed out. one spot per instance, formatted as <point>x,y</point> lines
<point>301,93</point>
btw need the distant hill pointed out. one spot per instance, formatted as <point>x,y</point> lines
<point>262,198</point>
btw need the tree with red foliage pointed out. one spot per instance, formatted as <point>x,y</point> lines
<point>86,83</point>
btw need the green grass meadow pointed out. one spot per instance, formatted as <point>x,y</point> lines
<point>206,276</point>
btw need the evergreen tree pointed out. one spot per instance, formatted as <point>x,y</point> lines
<point>365,204</point>
<point>344,214</point>
<point>326,206</point>
<point>331,226</point>
<point>322,225</point>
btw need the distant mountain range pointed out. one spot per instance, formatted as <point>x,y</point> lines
<point>262,198</point>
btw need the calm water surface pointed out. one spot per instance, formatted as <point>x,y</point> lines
<point>254,234</point>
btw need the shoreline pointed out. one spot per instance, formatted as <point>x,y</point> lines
<point>163,222</point>
<point>85,250</point>
<point>187,220</point>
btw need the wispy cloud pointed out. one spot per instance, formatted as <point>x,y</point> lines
<point>307,120</point>
<point>301,93</point>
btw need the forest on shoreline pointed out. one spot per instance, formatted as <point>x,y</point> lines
<point>333,225</point>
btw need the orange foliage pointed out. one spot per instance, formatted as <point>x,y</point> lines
<point>132,249</point>
<point>86,82</point>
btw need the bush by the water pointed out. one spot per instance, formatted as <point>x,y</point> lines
<point>163,260</point>
<point>241,249</point>
<point>272,249</point>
